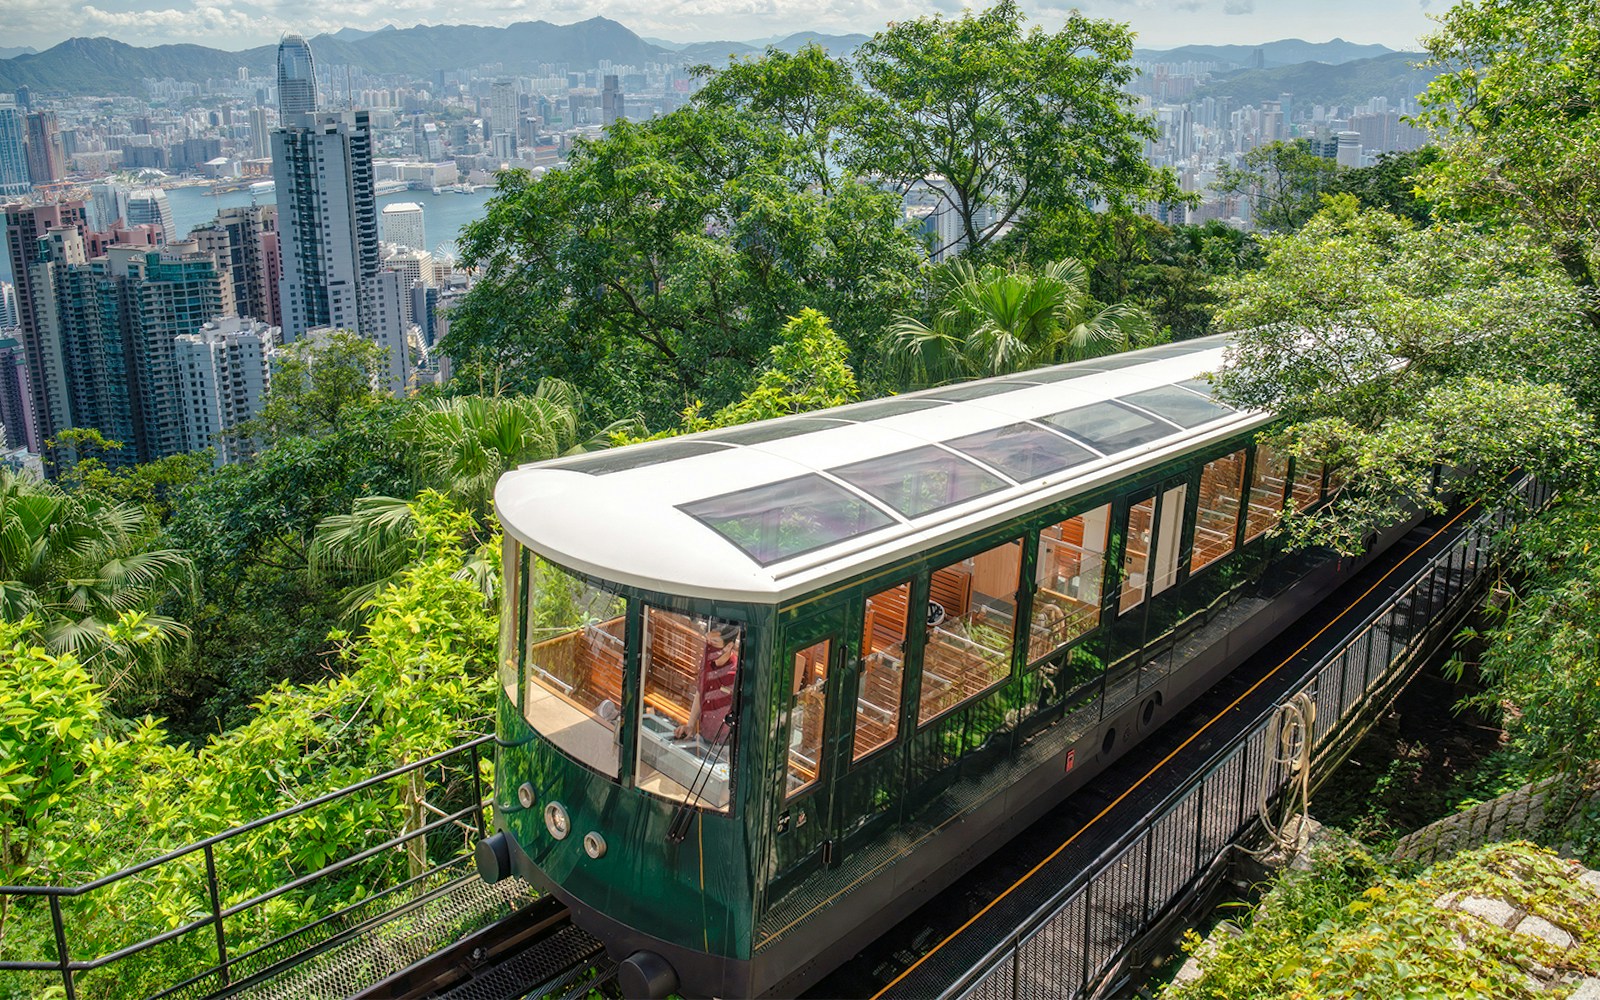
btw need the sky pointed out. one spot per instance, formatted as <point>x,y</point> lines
<point>240,24</point>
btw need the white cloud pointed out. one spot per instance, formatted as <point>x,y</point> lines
<point>1239,6</point>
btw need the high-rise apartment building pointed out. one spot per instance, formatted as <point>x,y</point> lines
<point>297,80</point>
<point>503,114</point>
<point>611,101</point>
<point>150,207</point>
<point>16,399</point>
<point>260,134</point>
<point>403,225</point>
<point>13,151</point>
<point>25,225</point>
<point>244,241</point>
<point>8,305</point>
<point>108,205</point>
<point>328,228</point>
<point>225,369</point>
<point>46,162</point>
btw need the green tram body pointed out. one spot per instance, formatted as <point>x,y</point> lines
<point>766,897</point>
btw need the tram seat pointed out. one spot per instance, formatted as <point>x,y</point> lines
<point>600,662</point>
<point>676,650</point>
<point>951,588</point>
<point>886,620</point>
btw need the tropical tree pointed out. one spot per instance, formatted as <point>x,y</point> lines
<point>994,321</point>
<point>1284,181</point>
<point>998,122</point>
<point>461,447</point>
<point>84,566</point>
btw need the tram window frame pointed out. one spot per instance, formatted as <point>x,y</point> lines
<point>1105,510</point>
<point>1295,481</point>
<point>1258,491</point>
<point>647,776</point>
<point>857,753</point>
<point>924,717</point>
<point>816,691</point>
<point>1229,538</point>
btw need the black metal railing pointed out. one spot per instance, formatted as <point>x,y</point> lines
<point>237,907</point>
<point>1070,944</point>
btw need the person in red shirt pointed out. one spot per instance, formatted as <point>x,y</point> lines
<point>713,696</point>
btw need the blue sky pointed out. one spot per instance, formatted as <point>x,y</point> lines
<point>236,24</point>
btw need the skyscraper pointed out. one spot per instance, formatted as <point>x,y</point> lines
<point>238,238</point>
<point>327,220</point>
<point>611,101</point>
<point>226,373</point>
<point>46,163</point>
<point>297,80</point>
<point>503,114</point>
<point>13,150</point>
<point>402,225</point>
<point>328,228</point>
<point>24,227</point>
<point>260,134</point>
<point>150,207</point>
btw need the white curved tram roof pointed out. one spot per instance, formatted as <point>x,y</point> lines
<point>769,511</point>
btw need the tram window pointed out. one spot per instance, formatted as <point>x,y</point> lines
<point>1216,521</point>
<point>1069,569</point>
<point>1267,487</point>
<point>574,660</point>
<point>807,712</point>
<point>971,625</point>
<point>883,643</point>
<point>1307,482</point>
<point>1165,571</point>
<point>689,695</point>
<point>1136,554</point>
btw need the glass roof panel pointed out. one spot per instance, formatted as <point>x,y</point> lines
<point>1057,374</point>
<point>1179,405</point>
<point>776,521</point>
<point>1109,427</point>
<point>604,463</point>
<point>879,408</point>
<point>774,430</point>
<point>1200,385</point>
<point>1022,451</point>
<point>976,390</point>
<point>919,480</point>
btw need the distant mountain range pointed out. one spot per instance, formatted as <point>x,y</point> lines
<point>1393,76</point>
<point>1287,52</point>
<point>8,53</point>
<point>106,66</point>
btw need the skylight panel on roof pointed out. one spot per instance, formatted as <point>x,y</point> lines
<point>1058,374</point>
<point>1179,405</point>
<point>1200,385</point>
<point>1022,451</point>
<point>919,480</point>
<point>891,407</point>
<point>636,457</point>
<point>976,390</point>
<point>1109,427</point>
<point>776,521</point>
<point>774,430</point>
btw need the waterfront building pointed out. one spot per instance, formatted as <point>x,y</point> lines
<point>297,80</point>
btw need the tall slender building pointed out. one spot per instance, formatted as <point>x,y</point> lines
<point>13,150</point>
<point>237,237</point>
<point>46,162</point>
<point>25,226</point>
<point>297,80</point>
<point>150,207</point>
<point>328,232</point>
<point>226,371</point>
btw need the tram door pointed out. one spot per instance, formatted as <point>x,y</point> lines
<point>810,671</point>
<point>1153,536</point>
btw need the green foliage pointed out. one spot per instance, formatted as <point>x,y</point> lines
<point>1514,111</point>
<point>1285,182</point>
<point>1393,349</point>
<point>323,385</point>
<point>995,321</point>
<point>1012,121</point>
<point>1349,929</point>
<point>84,565</point>
<point>1541,664</point>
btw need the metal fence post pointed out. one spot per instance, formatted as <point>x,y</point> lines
<point>216,915</point>
<point>477,791</point>
<point>62,955</point>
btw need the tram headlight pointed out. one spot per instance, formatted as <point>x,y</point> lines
<point>557,821</point>
<point>594,845</point>
<point>526,795</point>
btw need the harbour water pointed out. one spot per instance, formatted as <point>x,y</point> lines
<point>443,215</point>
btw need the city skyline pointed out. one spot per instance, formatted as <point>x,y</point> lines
<point>241,24</point>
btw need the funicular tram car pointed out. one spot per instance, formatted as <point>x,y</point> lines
<point>766,689</point>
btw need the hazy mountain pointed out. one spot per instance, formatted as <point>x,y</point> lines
<point>11,53</point>
<point>664,43</point>
<point>1391,76</point>
<point>1281,53</point>
<point>105,66</point>
<point>716,53</point>
<point>352,34</point>
<point>834,45</point>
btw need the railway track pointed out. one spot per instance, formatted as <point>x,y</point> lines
<point>536,952</point>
